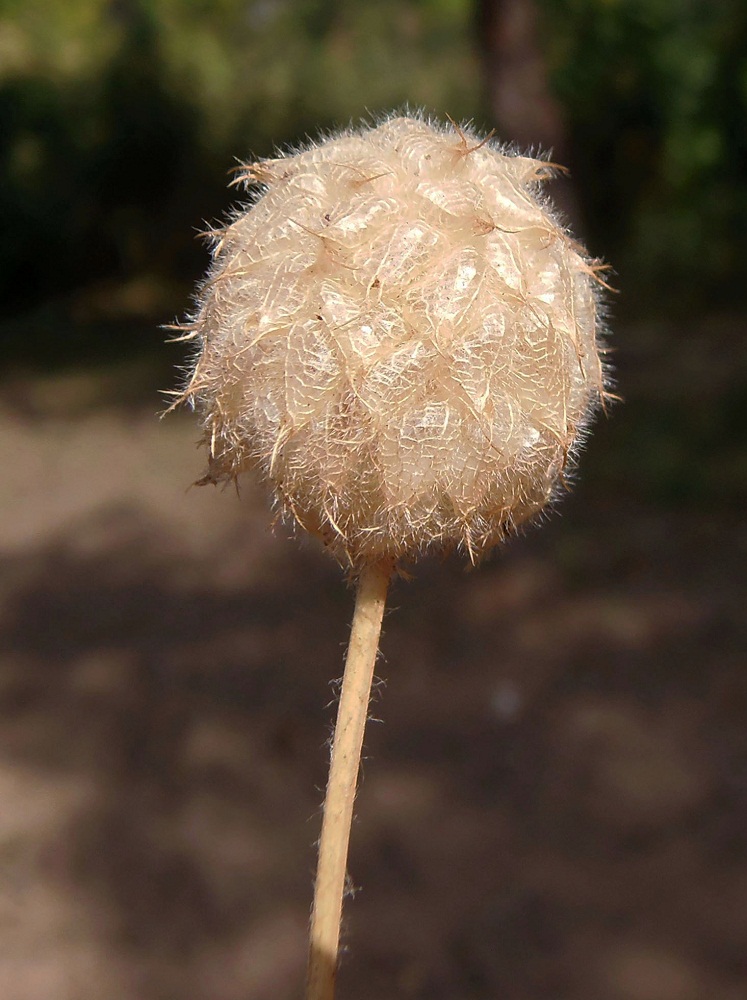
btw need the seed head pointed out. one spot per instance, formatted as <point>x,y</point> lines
<point>402,340</point>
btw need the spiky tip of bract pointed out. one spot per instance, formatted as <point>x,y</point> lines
<point>400,337</point>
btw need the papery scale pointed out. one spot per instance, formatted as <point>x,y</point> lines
<point>401,339</point>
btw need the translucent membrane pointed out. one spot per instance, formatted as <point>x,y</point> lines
<point>402,340</point>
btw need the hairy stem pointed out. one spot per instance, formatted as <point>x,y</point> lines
<point>343,775</point>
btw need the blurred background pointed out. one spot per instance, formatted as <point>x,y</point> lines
<point>556,805</point>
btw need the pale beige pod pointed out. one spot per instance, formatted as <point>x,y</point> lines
<point>403,341</point>
<point>399,336</point>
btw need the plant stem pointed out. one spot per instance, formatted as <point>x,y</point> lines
<point>343,774</point>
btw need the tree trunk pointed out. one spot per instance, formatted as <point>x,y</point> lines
<point>515,77</point>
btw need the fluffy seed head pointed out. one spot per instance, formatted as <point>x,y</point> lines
<point>402,340</point>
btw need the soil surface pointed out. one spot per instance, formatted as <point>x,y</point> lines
<point>554,807</point>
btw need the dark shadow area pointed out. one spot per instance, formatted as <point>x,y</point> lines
<point>556,804</point>
<point>191,719</point>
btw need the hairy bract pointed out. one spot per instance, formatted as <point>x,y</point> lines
<point>400,338</point>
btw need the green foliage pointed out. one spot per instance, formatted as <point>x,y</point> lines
<point>120,118</point>
<point>119,121</point>
<point>656,93</point>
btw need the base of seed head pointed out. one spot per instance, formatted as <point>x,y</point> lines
<point>398,335</point>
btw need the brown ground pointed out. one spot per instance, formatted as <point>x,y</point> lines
<point>554,809</point>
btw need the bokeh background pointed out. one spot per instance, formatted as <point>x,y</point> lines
<point>555,807</point>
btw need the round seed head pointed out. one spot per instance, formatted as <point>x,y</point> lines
<point>400,338</point>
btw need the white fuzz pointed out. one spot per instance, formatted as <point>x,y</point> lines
<point>400,337</point>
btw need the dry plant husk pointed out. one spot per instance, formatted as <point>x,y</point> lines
<point>401,338</point>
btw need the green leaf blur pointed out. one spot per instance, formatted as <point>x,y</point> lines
<point>119,120</point>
